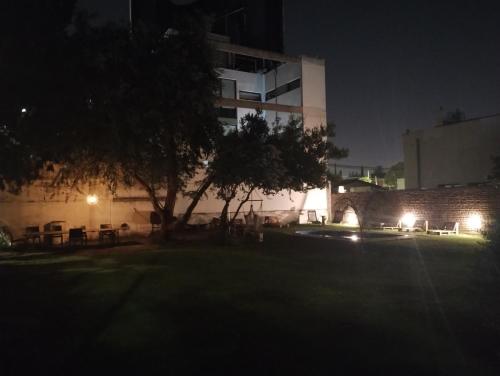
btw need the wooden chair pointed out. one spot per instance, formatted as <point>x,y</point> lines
<point>106,231</point>
<point>77,235</point>
<point>32,233</point>
<point>56,232</point>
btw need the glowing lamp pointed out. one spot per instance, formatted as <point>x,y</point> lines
<point>24,110</point>
<point>408,220</point>
<point>92,199</point>
<point>474,222</point>
<point>341,189</point>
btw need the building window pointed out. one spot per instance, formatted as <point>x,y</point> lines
<point>250,96</point>
<point>227,113</point>
<point>283,89</point>
<point>227,88</point>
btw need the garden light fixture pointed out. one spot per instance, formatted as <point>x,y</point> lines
<point>408,220</point>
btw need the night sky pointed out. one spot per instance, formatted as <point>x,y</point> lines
<point>392,64</point>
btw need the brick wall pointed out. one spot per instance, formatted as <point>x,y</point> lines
<point>435,205</point>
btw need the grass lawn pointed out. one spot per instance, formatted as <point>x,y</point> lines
<point>418,306</point>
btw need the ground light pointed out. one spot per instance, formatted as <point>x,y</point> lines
<point>92,199</point>
<point>408,220</point>
<point>351,218</point>
<point>474,222</point>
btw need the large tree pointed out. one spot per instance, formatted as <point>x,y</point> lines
<point>269,159</point>
<point>133,107</point>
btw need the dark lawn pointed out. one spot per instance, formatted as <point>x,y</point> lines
<point>424,306</point>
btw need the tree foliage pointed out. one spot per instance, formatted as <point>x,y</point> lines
<point>394,173</point>
<point>129,107</point>
<point>257,157</point>
<point>34,74</point>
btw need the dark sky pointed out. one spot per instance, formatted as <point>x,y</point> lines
<point>392,64</point>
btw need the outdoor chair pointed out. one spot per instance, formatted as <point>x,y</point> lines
<point>77,235</point>
<point>312,217</point>
<point>272,221</point>
<point>419,225</point>
<point>32,233</point>
<point>390,226</point>
<point>447,228</point>
<point>56,232</point>
<point>106,231</point>
<point>155,220</point>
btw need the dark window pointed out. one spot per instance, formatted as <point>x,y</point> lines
<point>227,88</point>
<point>227,113</point>
<point>283,89</point>
<point>250,96</point>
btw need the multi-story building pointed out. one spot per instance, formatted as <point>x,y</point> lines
<point>454,154</point>
<point>250,78</point>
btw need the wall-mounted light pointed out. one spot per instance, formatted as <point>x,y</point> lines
<point>92,199</point>
<point>341,189</point>
<point>474,222</point>
<point>408,220</point>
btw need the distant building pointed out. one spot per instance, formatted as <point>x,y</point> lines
<point>356,185</point>
<point>453,154</point>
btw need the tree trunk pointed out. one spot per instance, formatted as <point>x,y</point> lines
<point>196,198</point>
<point>224,222</point>
<point>168,208</point>
<point>241,205</point>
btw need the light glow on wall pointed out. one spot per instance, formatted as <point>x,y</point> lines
<point>350,218</point>
<point>474,222</point>
<point>92,199</point>
<point>408,220</point>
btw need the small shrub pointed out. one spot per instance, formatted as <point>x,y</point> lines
<point>5,238</point>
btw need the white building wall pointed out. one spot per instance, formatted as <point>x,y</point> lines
<point>283,74</point>
<point>37,206</point>
<point>451,154</point>
<point>313,92</point>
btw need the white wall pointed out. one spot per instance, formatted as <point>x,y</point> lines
<point>38,205</point>
<point>283,74</point>
<point>253,82</point>
<point>452,154</point>
<point>313,92</point>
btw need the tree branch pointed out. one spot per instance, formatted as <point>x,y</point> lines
<point>151,193</point>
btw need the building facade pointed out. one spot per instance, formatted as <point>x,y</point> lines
<point>250,78</point>
<point>451,155</point>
